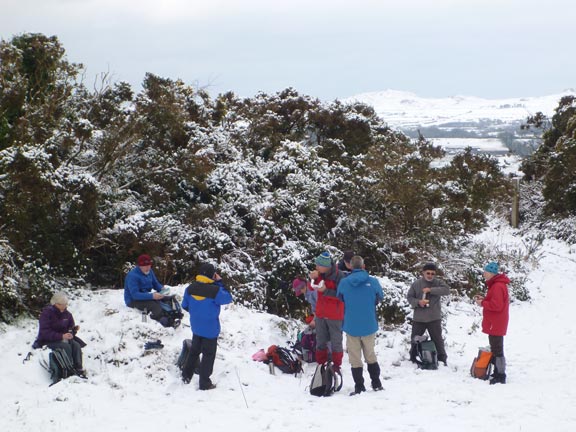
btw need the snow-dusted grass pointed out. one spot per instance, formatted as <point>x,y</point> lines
<point>129,389</point>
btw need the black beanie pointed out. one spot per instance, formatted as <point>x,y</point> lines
<point>207,270</point>
<point>429,266</point>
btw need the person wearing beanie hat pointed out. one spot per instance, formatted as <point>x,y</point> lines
<point>424,296</point>
<point>329,309</point>
<point>203,299</point>
<point>495,317</point>
<point>344,263</point>
<point>142,290</point>
<point>57,329</point>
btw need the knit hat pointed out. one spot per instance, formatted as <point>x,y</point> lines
<point>298,285</point>
<point>492,267</point>
<point>59,298</point>
<point>144,260</point>
<point>429,266</point>
<point>323,260</point>
<point>207,270</point>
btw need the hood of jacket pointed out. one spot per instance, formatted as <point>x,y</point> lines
<point>499,278</point>
<point>358,277</point>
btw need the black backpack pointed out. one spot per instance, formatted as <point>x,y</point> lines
<point>426,354</point>
<point>172,310</point>
<point>325,380</point>
<point>184,357</point>
<point>60,366</point>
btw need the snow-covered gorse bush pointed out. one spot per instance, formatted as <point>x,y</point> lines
<point>259,186</point>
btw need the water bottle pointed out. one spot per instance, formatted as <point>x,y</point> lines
<point>144,315</point>
<point>271,368</point>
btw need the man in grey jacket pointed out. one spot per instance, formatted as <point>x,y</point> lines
<point>424,296</point>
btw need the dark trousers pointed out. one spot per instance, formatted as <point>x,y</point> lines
<point>435,331</point>
<point>206,347</point>
<point>152,306</point>
<point>73,350</point>
<point>496,345</point>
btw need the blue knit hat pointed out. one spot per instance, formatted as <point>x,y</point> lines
<point>324,260</point>
<point>492,267</point>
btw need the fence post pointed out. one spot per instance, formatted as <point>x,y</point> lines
<point>515,216</point>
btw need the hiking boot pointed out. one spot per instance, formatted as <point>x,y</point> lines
<point>211,386</point>
<point>498,379</point>
<point>186,379</point>
<point>374,371</point>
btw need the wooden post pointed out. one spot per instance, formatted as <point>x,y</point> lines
<point>515,216</point>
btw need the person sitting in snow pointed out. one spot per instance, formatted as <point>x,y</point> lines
<point>424,296</point>
<point>139,285</point>
<point>203,299</point>
<point>495,317</point>
<point>329,310</point>
<point>57,329</point>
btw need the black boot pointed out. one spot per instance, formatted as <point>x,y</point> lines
<point>498,379</point>
<point>357,374</point>
<point>499,376</point>
<point>374,371</point>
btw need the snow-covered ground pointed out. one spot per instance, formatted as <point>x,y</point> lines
<point>130,389</point>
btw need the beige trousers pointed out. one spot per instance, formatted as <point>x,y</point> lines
<point>358,345</point>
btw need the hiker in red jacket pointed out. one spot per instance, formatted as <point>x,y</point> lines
<point>329,310</point>
<point>495,317</point>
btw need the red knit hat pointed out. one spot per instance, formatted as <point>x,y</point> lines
<point>144,260</point>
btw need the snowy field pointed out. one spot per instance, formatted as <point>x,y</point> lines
<point>130,389</point>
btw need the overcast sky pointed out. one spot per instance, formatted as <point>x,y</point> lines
<point>325,48</point>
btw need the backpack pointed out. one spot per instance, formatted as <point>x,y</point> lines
<point>307,346</point>
<point>426,354</point>
<point>482,365</point>
<point>172,310</point>
<point>184,357</point>
<point>283,359</point>
<point>60,365</point>
<point>325,380</point>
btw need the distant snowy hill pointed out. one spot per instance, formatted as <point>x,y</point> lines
<point>405,110</point>
<point>454,123</point>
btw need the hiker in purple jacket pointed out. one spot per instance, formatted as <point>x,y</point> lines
<point>57,330</point>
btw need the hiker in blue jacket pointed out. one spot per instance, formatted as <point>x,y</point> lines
<point>203,299</point>
<point>142,290</point>
<point>360,293</point>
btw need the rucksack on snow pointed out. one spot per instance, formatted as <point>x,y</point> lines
<point>305,347</point>
<point>426,354</point>
<point>60,365</point>
<point>283,359</point>
<point>482,364</point>
<point>184,357</point>
<point>325,380</point>
<point>172,310</point>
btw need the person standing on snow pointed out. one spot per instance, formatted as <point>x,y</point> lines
<point>495,315</point>
<point>138,290</point>
<point>360,293</point>
<point>329,310</point>
<point>202,299</point>
<point>425,297</point>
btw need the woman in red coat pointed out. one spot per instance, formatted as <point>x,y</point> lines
<point>495,317</point>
